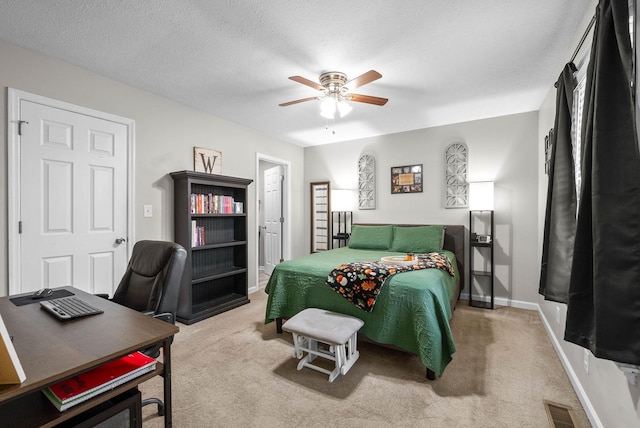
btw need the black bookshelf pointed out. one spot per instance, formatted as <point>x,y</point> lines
<point>211,224</point>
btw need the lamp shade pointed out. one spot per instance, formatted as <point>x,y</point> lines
<point>481,196</point>
<point>342,200</point>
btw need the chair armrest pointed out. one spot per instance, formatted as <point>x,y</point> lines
<point>166,316</point>
<point>154,350</point>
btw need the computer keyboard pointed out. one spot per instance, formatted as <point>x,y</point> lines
<point>66,308</point>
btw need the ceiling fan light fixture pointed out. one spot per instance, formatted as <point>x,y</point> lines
<point>344,108</point>
<point>335,94</point>
<point>328,108</point>
<point>332,104</point>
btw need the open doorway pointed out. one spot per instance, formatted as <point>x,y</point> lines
<point>272,215</point>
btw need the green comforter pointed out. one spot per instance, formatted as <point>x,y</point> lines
<point>412,310</point>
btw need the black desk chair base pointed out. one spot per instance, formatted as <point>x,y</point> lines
<point>157,401</point>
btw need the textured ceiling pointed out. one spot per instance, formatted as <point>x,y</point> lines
<point>442,61</point>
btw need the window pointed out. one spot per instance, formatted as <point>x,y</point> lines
<point>576,121</point>
<point>578,105</point>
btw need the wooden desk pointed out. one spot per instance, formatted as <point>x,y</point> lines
<point>52,350</point>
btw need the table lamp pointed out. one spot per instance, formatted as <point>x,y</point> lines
<point>481,196</point>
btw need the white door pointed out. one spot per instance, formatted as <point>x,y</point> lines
<point>273,218</point>
<point>73,200</point>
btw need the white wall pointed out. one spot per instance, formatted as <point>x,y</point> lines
<point>502,149</point>
<point>166,133</point>
<point>608,398</point>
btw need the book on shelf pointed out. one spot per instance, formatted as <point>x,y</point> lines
<point>77,389</point>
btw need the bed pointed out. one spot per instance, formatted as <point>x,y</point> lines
<point>412,310</point>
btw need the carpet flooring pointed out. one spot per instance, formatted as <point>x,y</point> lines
<point>232,370</point>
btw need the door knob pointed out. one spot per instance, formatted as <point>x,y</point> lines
<point>120,240</point>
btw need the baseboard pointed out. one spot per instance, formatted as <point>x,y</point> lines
<point>577,386</point>
<point>519,304</point>
<point>501,301</point>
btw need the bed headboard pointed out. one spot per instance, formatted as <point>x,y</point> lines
<point>453,241</point>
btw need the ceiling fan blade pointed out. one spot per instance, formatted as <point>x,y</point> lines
<point>363,79</point>
<point>298,101</point>
<point>307,82</point>
<point>367,99</point>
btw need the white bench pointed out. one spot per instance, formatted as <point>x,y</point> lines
<point>338,331</point>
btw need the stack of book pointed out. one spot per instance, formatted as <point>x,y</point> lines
<point>202,203</point>
<point>197,235</point>
<point>106,377</point>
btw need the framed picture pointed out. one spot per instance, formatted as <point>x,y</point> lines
<point>207,160</point>
<point>406,179</point>
<point>320,211</point>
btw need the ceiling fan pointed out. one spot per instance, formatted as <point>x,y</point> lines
<point>335,93</point>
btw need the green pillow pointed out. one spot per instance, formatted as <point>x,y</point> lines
<point>418,239</point>
<point>371,237</point>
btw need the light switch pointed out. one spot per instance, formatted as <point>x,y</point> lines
<point>148,211</point>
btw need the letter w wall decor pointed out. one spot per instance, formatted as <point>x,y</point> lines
<point>207,160</point>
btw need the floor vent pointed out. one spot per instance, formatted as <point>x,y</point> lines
<point>560,416</point>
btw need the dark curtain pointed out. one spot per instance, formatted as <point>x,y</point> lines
<point>603,313</point>
<point>560,218</point>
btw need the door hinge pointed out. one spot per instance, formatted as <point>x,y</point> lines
<point>281,219</point>
<point>19,227</point>
<point>20,123</point>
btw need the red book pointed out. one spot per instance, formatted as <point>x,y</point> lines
<point>106,377</point>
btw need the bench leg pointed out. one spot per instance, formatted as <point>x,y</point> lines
<point>313,347</point>
<point>297,345</point>
<point>351,354</point>
<point>334,374</point>
<point>341,356</point>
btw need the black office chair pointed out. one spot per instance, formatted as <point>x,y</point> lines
<point>151,285</point>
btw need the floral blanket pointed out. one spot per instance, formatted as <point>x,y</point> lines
<point>360,282</point>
